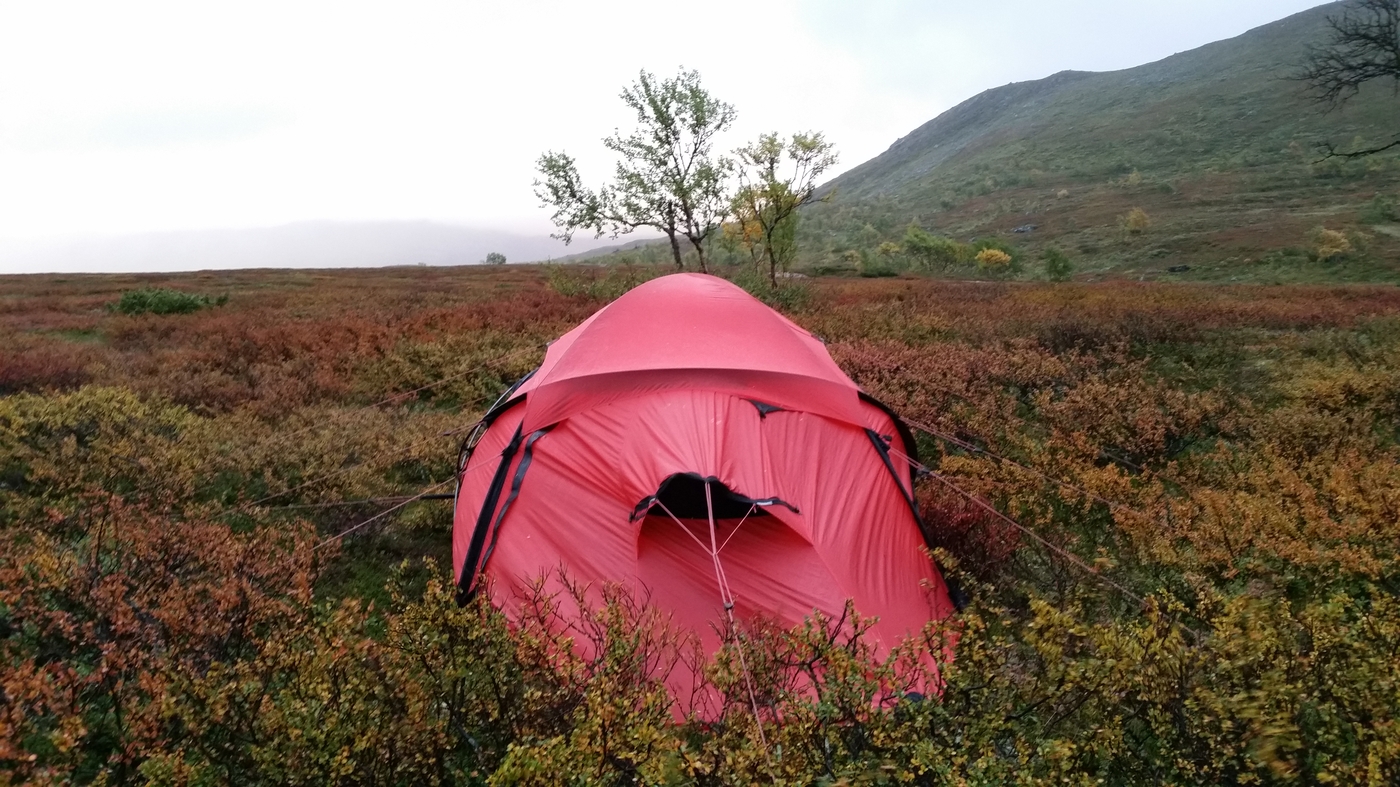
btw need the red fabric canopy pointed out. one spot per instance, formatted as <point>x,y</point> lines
<point>685,380</point>
<point>688,330</point>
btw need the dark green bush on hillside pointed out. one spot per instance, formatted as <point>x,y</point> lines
<point>1057,265</point>
<point>159,300</point>
<point>1382,210</point>
<point>932,252</point>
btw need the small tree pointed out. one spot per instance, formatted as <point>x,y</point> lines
<point>777,177</point>
<point>667,177</point>
<point>1057,265</point>
<point>495,258</point>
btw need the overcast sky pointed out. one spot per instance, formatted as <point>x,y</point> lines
<point>136,117</point>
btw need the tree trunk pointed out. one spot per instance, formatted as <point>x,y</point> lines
<point>700,253</point>
<point>772,260</point>
<point>676,250</point>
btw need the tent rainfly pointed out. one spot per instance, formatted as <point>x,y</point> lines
<point>697,447</point>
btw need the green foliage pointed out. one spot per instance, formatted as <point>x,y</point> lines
<point>161,300</point>
<point>1381,210</point>
<point>931,252</point>
<point>495,258</point>
<point>667,177</point>
<point>1057,264</point>
<point>791,294</point>
<point>596,282</point>
<point>877,268</point>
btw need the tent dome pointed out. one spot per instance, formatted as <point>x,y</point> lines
<point>687,425</point>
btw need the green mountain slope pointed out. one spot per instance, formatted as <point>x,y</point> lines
<point>1216,144</point>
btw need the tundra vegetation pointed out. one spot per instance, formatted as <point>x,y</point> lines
<point>1200,584</point>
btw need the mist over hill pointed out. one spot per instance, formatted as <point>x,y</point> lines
<point>318,244</point>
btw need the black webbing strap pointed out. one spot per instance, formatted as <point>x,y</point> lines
<point>520,469</point>
<point>911,446</point>
<point>955,593</point>
<point>884,450</point>
<point>483,519</point>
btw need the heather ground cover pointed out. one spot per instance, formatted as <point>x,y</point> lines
<point>1175,509</point>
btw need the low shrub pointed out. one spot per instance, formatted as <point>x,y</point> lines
<point>791,294</point>
<point>1057,265</point>
<point>877,269</point>
<point>995,257</point>
<point>1135,221</point>
<point>161,300</point>
<point>603,283</point>
<point>1381,210</point>
<point>1330,244</point>
<point>932,252</point>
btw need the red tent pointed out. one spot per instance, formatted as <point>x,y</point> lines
<point>695,445</point>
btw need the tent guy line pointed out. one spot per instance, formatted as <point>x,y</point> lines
<point>1064,553</point>
<point>364,501</point>
<point>1104,453</point>
<point>1112,505</point>
<point>383,513</point>
<point>1072,558</point>
<point>993,510</point>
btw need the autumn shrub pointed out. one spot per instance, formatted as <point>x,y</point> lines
<point>1135,221</point>
<point>37,365</point>
<point>982,543</point>
<point>1172,508</point>
<point>463,369</point>
<point>995,258</point>
<point>1330,244</point>
<point>109,610</point>
<point>56,449</point>
<point>1033,695</point>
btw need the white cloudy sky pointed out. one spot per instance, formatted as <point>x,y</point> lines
<point>138,117</point>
